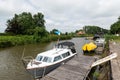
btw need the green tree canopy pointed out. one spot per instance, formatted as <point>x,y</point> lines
<point>94,30</point>
<point>115,28</point>
<point>26,24</point>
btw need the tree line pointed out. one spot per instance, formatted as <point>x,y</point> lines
<point>115,27</point>
<point>28,24</point>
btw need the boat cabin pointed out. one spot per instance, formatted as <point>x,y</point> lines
<point>61,51</point>
<point>53,55</point>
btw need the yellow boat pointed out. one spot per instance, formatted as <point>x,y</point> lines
<point>89,47</point>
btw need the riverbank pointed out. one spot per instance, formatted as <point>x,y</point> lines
<point>115,63</point>
<point>8,41</point>
<point>112,37</point>
<point>108,70</point>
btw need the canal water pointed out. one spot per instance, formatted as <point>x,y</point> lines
<point>11,67</point>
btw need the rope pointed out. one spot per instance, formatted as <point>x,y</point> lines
<point>43,74</point>
<point>35,73</point>
<point>23,53</point>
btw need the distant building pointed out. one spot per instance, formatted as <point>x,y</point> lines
<point>80,33</point>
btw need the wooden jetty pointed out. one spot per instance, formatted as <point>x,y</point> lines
<point>115,63</point>
<point>99,50</point>
<point>75,69</point>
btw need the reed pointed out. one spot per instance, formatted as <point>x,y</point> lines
<point>8,41</point>
<point>112,37</point>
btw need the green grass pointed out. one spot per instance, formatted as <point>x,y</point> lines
<point>55,38</point>
<point>112,37</point>
<point>8,41</point>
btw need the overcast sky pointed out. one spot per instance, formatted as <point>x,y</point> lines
<point>64,15</point>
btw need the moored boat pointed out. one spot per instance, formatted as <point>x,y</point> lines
<point>89,47</point>
<point>100,42</point>
<point>49,60</point>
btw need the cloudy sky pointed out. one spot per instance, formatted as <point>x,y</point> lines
<point>64,15</point>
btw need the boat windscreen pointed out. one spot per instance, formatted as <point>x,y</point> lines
<point>66,44</point>
<point>47,59</point>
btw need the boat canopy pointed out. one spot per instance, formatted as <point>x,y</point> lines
<point>89,47</point>
<point>96,36</point>
<point>66,44</point>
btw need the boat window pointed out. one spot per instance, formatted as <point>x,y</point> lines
<point>57,58</point>
<point>65,55</point>
<point>47,59</point>
<point>39,58</point>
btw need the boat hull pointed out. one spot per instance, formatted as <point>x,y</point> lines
<point>41,72</point>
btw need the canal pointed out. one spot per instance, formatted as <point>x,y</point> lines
<point>11,67</point>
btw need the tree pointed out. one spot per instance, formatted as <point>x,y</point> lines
<point>41,32</point>
<point>26,24</point>
<point>13,26</point>
<point>39,20</point>
<point>94,30</point>
<point>115,28</point>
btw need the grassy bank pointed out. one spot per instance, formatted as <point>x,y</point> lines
<point>8,41</point>
<point>112,37</point>
<point>103,71</point>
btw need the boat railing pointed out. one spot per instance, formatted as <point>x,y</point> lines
<point>26,60</point>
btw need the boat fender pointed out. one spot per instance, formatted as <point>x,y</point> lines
<point>63,63</point>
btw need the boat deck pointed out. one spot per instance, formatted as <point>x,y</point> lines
<point>75,69</point>
<point>115,63</point>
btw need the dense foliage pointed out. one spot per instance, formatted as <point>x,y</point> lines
<point>115,28</point>
<point>7,41</point>
<point>112,37</point>
<point>26,24</point>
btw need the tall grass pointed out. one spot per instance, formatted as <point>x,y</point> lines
<point>112,37</point>
<point>55,38</point>
<point>8,41</point>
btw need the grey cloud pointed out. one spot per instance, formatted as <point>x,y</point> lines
<point>66,15</point>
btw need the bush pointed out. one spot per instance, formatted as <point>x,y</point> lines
<point>112,37</point>
<point>8,41</point>
<point>4,44</point>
